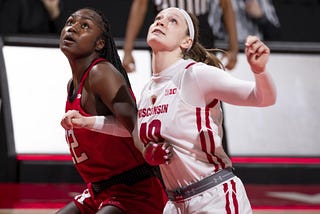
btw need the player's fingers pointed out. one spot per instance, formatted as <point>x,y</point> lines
<point>164,145</point>
<point>130,67</point>
<point>250,40</point>
<point>129,63</point>
<point>126,67</point>
<point>232,61</point>
<point>167,159</point>
<point>74,113</point>
<point>168,156</point>
<point>77,122</point>
<point>153,144</point>
<point>263,49</point>
<point>71,113</point>
<point>167,147</point>
<point>252,45</point>
<point>66,123</point>
<point>169,153</point>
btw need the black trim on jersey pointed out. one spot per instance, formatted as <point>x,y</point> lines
<point>129,177</point>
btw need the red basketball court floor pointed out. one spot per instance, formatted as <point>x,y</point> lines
<point>47,198</point>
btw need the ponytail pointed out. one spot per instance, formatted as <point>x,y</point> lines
<point>198,53</point>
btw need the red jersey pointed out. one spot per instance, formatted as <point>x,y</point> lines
<point>99,156</point>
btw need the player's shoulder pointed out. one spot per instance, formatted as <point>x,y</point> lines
<point>103,65</point>
<point>200,68</point>
<point>104,68</point>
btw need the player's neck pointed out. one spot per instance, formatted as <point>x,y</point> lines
<point>162,60</point>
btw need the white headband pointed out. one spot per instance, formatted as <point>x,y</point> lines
<point>189,23</point>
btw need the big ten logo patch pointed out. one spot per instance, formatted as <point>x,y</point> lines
<point>170,91</point>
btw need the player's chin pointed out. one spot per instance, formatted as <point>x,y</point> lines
<point>155,42</point>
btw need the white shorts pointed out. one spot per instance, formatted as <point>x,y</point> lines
<point>225,198</point>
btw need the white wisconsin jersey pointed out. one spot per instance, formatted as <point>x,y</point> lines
<point>193,131</point>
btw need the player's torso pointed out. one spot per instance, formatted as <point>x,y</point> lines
<point>98,156</point>
<point>164,116</point>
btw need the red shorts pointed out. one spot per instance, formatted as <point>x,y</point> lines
<point>147,196</point>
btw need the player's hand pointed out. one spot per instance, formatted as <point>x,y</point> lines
<point>128,62</point>
<point>257,54</point>
<point>52,6</point>
<point>158,153</point>
<point>254,9</point>
<point>73,119</point>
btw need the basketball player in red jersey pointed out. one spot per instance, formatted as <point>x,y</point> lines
<point>117,176</point>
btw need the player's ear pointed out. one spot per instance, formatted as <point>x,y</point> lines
<point>185,44</point>
<point>100,44</point>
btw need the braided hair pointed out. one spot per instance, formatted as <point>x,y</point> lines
<point>109,50</point>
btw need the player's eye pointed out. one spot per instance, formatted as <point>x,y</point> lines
<point>85,26</point>
<point>69,22</point>
<point>157,18</point>
<point>173,20</point>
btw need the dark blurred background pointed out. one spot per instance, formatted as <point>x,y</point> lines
<point>299,19</point>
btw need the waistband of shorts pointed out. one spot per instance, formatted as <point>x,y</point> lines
<point>200,186</point>
<point>128,177</point>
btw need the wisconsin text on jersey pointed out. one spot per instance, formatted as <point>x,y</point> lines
<point>146,112</point>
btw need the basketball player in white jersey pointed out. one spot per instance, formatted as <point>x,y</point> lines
<point>179,107</point>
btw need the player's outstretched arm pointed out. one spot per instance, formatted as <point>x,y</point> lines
<point>103,124</point>
<point>257,54</point>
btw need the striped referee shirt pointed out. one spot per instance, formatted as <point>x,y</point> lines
<point>197,7</point>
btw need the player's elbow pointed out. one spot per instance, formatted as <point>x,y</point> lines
<point>269,100</point>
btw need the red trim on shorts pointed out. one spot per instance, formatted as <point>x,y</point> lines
<point>234,197</point>
<point>225,189</point>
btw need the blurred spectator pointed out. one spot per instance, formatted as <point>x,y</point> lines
<point>30,17</point>
<point>256,17</point>
<point>253,17</point>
